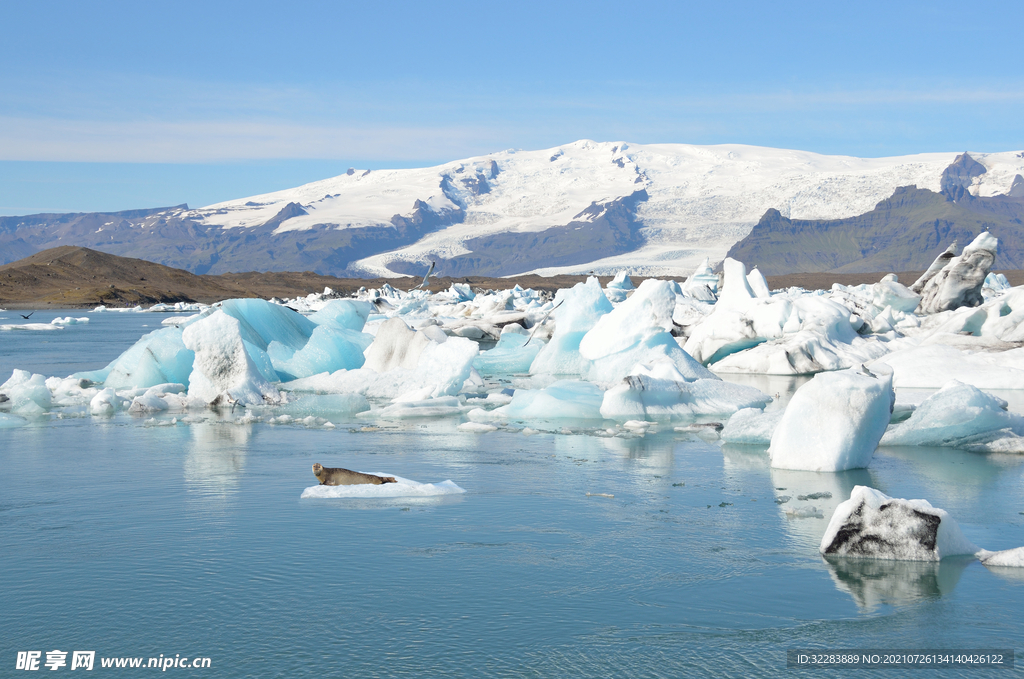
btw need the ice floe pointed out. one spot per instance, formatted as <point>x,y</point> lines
<point>401,488</point>
<point>834,422</point>
<point>872,525</point>
<point>960,416</point>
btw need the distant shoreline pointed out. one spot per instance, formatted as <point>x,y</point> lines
<point>78,278</point>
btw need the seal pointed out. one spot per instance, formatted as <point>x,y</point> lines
<point>336,476</point>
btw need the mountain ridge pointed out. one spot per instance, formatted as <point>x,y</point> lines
<point>655,209</point>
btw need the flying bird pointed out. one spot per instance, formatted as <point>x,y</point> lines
<point>26,317</point>
<point>426,278</point>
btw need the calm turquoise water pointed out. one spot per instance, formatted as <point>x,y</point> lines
<point>135,540</point>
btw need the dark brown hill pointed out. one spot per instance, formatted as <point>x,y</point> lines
<point>71,276</point>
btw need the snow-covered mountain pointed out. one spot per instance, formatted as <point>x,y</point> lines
<point>655,209</point>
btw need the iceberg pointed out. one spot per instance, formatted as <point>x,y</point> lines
<point>157,358</point>
<point>834,422</point>
<point>960,416</point>
<point>661,392</point>
<point>638,330</point>
<point>1007,558</point>
<point>400,361</point>
<point>27,393</point>
<point>959,282</point>
<point>511,355</point>
<point>577,311</point>
<point>932,366</point>
<point>872,525</point>
<point>106,402</point>
<point>751,426</point>
<point>564,399</point>
<point>11,421</point>
<point>222,371</point>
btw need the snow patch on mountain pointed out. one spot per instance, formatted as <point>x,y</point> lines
<point>701,199</point>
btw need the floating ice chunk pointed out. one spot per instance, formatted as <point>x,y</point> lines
<point>30,326</point>
<point>401,488</point>
<point>702,283</point>
<point>69,320</point>
<point>222,370</point>
<point>262,322</point>
<point>329,348</point>
<point>995,284</point>
<point>511,355</point>
<point>439,370</point>
<point>27,393</point>
<point>564,399</point>
<point>11,421</point>
<point>339,406</point>
<point>872,525</point>
<point>960,281</point>
<point>638,330</point>
<point>1008,558</point>
<point>953,416</point>
<point>70,391</point>
<point>343,314</point>
<point>621,281</point>
<point>157,358</point>
<point>644,396</point>
<point>445,406</point>
<point>935,267</point>
<point>751,426</point>
<point>578,311</point>
<point>806,512</point>
<point>758,285</point>
<point>934,365</point>
<point>477,427</point>
<point>736,289</point>
<point>396,345</point>
<point>804,334</point>
<point>618,288</point>
<point>106,402</point>
<point>833,422</point>
<point>802,353</point>
<point>889,292</point>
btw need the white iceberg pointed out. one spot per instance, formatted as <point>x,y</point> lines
<point>751,426</point>
<point>872,525</point>
<point>960,281</point>
<point>222,371</point>
<point>661,392</point>
<point>564,399</point>
<point>960,416</point>
<point>934,365</point>
<point>834,422</point>
<point>638,330</point>
<point>27,393</point>
<point>577,311</point>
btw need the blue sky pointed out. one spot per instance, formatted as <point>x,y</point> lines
<point>120,105</point>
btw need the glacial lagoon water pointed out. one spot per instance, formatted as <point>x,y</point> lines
<point>136,536</point>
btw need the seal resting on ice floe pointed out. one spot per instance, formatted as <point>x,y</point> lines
<point>336,476</point>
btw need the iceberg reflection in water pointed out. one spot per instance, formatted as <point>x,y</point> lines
<point>876,582</point>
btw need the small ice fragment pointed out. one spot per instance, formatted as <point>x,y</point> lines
<point>824,495</point>
<point>477,427</point>
<point>600,495</point>
<point>782,499</point>
<point>804,513</point>
<point>1011,558</point>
